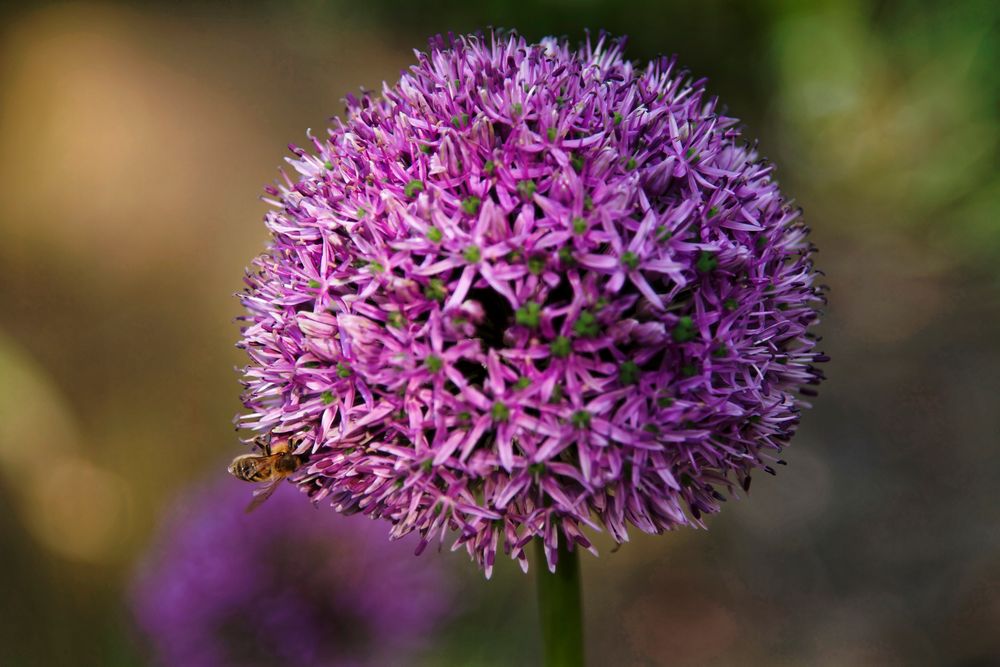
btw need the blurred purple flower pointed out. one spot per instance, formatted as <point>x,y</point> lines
<point>285,585</point>
<point>530,289</point>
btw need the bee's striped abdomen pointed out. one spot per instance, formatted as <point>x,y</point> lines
<point>248,469</point>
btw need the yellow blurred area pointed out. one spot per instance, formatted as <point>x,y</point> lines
<point>135,141</point>
<point>103,131</point>
<point>35,421</point>
<point>78,510</point>
<point>72,506</point>
<point>135,147</point>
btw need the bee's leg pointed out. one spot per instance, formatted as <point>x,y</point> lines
<point>263,443</point>
<point>294,442</point>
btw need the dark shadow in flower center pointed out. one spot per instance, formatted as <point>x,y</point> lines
<point>497,317</point>
<point>474,372</point>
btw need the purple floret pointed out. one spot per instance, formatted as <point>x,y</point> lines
<point>528,289</point>
<point>285,585</point>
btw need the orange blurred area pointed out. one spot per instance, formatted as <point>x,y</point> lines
<point>135,142</point>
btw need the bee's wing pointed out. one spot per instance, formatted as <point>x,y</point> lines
<point>253,467</point>
<point>262,494</point>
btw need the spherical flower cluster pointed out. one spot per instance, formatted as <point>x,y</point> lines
<point>529,289</point>
<point>286,585</point>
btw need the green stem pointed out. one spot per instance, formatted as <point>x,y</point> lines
<point>559,608</point>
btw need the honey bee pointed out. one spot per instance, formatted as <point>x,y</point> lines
<point>275,463</point>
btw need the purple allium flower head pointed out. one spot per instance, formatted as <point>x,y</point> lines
<point>285,585</point>
<point>528,289</point>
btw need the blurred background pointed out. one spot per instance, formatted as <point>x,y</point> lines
<point>135,139</point>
